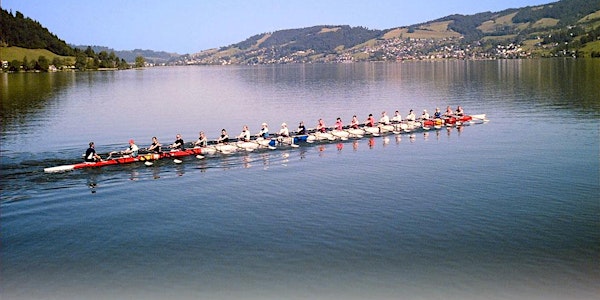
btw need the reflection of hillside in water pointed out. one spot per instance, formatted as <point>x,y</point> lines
<point>560,83</point>
<point>26,97</point>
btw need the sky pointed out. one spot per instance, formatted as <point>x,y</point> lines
<point>187,26</point>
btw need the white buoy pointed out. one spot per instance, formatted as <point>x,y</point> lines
<point>177,161</point>
<point>199,156</point>
<point>148,163</point>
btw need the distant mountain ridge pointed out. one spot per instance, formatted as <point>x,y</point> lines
<point>151,56</point>
<point>564,28</point>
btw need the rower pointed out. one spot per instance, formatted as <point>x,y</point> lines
<point>245,135</point>
<point>178,144</point>
<point>459,111</point>
<point>425,115</point>
<point>411,116</point>
<point>448,112</point>
<point>301,128</point>
<point>321,126</point>
<point>384,120</point>
<point>202,141</point>
<point>264,131</point>
<point>338,124</point>
<point>397,118</point>
<point>91,155</point>
<point>437,114</point>
<point>132,150</point>
<point>155,146</point>
<point>224,138</point>
<point>283,133</point>
<point>370,122</point>
<point>354,123</point>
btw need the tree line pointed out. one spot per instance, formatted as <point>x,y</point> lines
<point>24,32</point>
<point>84,60</point>
<point>20,31</point>
<point>567,11</point>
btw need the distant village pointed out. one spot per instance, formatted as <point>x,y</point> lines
<point>395,49</point>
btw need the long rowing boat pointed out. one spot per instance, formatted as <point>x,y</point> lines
<point>126,160</point>
<point>271,143</point>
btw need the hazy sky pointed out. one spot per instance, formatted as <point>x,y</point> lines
<point>191,26</point>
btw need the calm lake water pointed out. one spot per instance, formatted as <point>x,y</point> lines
<point>509,209</point>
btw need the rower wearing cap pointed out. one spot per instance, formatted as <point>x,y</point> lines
<point>245,135</point>
<point>437,114</point>
<point>425,115</point>
<point>411,116</point>
<point>264,131</point>
<point>284,131</point>
<point>91,155</point>
<point>178,144</point>
<point>132,150</point>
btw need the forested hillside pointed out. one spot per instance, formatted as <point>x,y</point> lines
<point>20,31</point>
<point>568,28</point>
<point>19,35</point>
<point>318,38</point>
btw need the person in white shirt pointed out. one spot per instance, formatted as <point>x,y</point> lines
<point>397,117</point>
<point>425,115</point>
<point>284,131</point>
<point>245,135</point>
<point>411,116</point>
<point>132,150</point>
<point>384,120</point>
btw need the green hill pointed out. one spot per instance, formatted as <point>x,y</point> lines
<point>18,53</point>
<point>561,28</point>
<point>23,32</point>
<point>27,46</point>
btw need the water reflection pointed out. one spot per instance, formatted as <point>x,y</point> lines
<point>385,140</point>
<point>92,182</point>
<point>371,142</point>
<point>155,171</point>
<point>25,97</point>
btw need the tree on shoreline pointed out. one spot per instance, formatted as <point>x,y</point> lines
<point>140,61</point>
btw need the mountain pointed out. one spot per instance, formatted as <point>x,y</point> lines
<point>564,28</point>
<point>151,56</point>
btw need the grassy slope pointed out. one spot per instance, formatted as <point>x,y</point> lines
<point>589,47</point>
<point>17,53</point>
